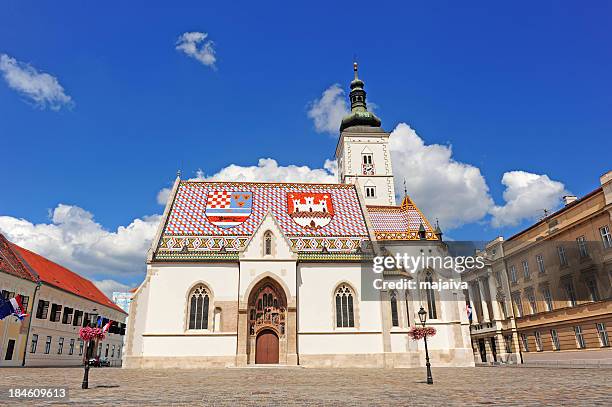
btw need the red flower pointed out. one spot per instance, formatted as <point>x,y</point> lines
<point>87,333</point>
<point>419,333</point>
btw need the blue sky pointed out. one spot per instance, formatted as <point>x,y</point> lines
<point>519,86</point>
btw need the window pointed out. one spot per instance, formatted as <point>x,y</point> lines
<point>407,309</point>
<point>508,342</point>
<point>513,278</point>
<point>582,247</point>
<point>56,312</point>
<point>591,284</point>
<point>498,278</point>
<point>538,341</point>
<point>71,350</point>
<point>525,341</point>
<point>34,343</point>
<point>367,158</point>
<point>603,334</point>
<point>532,301</point>
<point>345,316</point>
<point>9,350</point>
<point>555,339</point>
<point>370,192</point>
<point>198,308</point>
<point>81,346</point>
<point>502,308</point>
<point>113,352</point>
<point>579,337</point>
<point>67,318</point>
<point>42,310</point>
<point>119,352</point>
<point>518,304</point>
<point>548,298</point>
<point>78,318</point>
<point>48,345</point>
<point>526,269</point>
<point>431,298</point>
<point>25,300</point>
<point>562,257</point>
<point>60,346</point>
<point>106,351</point>
<point>606,237</point>
<point>394,314</point>
<point>367,164</point>
<point>571,294</point>
<point>540,261</point>
<point>268,243</point>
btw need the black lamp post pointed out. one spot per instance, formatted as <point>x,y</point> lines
<point>85,384</point>
<point>423,318</point>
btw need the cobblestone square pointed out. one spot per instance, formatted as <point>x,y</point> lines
<point>315,387</point>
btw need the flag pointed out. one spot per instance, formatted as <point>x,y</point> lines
<point>107,326</point>
<point>12,307</point>
<point>99,322</point>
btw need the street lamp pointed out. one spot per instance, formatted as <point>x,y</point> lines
<point>423,319</point>
<point>85,383</point>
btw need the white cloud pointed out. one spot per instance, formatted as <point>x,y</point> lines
<point>266,170</point>
<point>454,192</point>
<point>74,240</point>
<point>328,111</point>
<point>196,46</point>
<point>40,87</point>
<point>526,196</point>
<point>457,193</point>
<point>109,286</point>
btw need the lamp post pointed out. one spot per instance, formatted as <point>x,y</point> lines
<point>85,384</point>
<point>423,319</point>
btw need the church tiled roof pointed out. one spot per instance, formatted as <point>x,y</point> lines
<point>208,217</point>
<point>400,222</point>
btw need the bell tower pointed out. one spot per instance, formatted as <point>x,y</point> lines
<point>362,152</point>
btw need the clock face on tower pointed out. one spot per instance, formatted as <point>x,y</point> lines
<point>367,169</point>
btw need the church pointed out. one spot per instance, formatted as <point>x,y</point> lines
<point>245,273</point>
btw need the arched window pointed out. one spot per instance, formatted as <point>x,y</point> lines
<point>431,297</point>
<point>268,243</point>
<point>199,300</point>
<point>394,314</point>
<point>345,315</point>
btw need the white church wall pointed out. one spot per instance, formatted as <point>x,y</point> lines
<point>317,333</point>
<point>190,345</point>
<point>171,284</point>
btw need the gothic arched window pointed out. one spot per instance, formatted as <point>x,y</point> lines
<point>345,314</point>
<point>431,297</point>
<point>199,301</point>
<point>268,243</point>
<point>394,313</point>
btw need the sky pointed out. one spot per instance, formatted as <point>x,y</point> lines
<point>496,110</point>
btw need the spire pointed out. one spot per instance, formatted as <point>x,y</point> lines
<point>438,231</point>
<point>359,115</point>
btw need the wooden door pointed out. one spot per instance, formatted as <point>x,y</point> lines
<point>266,351</point>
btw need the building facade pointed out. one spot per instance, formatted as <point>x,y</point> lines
<point>59,302</point>
<point>560,282</point>
<point>15,279</point>
<point>545,294</point>
<point>256,273</point>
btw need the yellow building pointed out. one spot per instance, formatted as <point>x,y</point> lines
<point>14,279</point>
<point>559,274</point>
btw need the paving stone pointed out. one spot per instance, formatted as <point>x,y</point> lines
<point>321,387</point>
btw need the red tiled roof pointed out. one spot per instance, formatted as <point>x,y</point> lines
<point>58,276</point>
<point>10,263</point>
<point>399,222</point>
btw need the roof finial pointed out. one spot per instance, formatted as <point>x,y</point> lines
<point>405,188</point>
<point>355,68</point>
<point>178,173</point>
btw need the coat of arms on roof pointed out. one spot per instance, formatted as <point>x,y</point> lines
<point>227,209</point>
<point>310,209</point>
